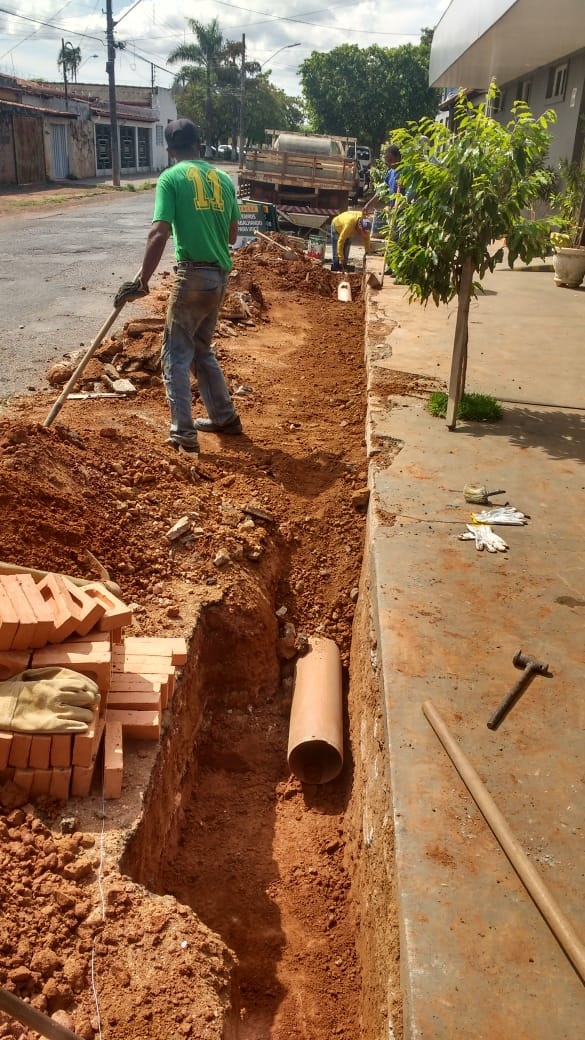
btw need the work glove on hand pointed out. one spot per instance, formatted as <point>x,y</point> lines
<point>130,291</point>
<point>47,700</point>
<point>484,538</point>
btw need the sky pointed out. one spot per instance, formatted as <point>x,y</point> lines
<point>151,31</point>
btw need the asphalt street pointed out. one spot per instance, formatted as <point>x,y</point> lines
<point>59,274</point>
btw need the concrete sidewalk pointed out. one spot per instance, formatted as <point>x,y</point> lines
<point>478,960</point>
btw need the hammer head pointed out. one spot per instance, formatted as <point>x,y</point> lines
<point>522,660</point>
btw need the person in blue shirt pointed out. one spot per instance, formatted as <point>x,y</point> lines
<point>390,184</point>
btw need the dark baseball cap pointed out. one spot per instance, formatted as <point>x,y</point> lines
<point>181,134</point>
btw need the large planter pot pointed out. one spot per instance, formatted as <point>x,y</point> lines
<point>569,265</point>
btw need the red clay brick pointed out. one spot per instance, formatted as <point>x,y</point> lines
<point>60,784</point>
<point>157,646</point>
<point>140,725</point>
<point>84,744</point>
<point>87,609</point>
<point>39,756</point>
<point>24,779</point>
<point>41,781</point>
<point>5,748</point>
<point>24,635</point>
<point>81,780</point>
<point>84,755</point>
<point>135,699</point>
<point>12,662</point>
<point>20,750</point>
<point>45,626</point>
<point>130,681</point>
<point>117,615</point>
<point>91,659</point>
<point>113,759</point>
<point>63,621</point>
<point>8,618</point>
<point>61,749</point>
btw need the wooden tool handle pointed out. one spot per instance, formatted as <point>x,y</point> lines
<point>15,568</point>
<point>559,925</point>
<point>29,1016</point>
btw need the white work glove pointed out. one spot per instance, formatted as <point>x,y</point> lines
<point>500,515</point>
<point>484,538</point>
<point>47,700</point>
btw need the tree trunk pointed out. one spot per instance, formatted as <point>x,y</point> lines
<point>459,358</point>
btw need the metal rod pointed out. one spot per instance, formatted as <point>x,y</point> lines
<point>560,926</point>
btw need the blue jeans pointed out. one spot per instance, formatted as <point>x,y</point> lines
<point>335,265</point>
<point>191,317</point>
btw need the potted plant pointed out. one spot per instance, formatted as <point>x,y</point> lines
<point>567,241</point>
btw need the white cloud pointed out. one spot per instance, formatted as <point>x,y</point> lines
<point>150,32</point>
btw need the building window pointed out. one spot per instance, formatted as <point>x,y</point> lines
<point>127,147</point>
<point>159,134</point>
<point>556,83</point>
<point>103,147</point>
<point>143,146</point>
<point>523,90</point>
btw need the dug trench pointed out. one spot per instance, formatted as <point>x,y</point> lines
<point>219,897</point>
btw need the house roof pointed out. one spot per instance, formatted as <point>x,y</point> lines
<point>36,110</point>
<point>127,110</point>
<point>477,40</point>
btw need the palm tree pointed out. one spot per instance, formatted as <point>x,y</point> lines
<point>69,60</point>
<point>207,54</point>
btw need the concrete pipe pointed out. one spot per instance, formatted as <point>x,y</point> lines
<point>315,738</point>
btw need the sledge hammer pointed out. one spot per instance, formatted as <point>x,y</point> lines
<point>530,667</point>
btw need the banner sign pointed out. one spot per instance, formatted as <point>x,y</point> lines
<point>255,216</point>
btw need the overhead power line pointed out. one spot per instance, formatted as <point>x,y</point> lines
<point>50,25</point>
<point>303,21</point>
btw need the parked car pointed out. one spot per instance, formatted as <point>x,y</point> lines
<point>225,151</point>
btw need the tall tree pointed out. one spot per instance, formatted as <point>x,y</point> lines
<point>466,191</point>
<point>207,54</point>
<point>69,61</point>
<point>365,91</point>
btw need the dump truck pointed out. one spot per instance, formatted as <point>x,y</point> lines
<point>309,178</point>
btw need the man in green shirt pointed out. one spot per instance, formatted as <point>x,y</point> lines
<point>197,203</point>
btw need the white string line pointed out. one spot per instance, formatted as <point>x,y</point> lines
<point>100,876</point>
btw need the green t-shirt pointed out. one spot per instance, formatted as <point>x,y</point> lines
<point>199,202</point>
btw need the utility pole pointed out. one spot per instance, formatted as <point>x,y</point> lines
<point>112,85</point>
<point>242,99</point>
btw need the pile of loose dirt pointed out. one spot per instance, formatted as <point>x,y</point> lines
<point>278,517</point>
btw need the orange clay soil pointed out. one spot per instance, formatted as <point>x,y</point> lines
<point>219,897</point>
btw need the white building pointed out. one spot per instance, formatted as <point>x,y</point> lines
<point>47,133</point>
<point>533,49</point>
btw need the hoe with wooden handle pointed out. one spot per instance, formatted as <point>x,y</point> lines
<point>289,254</point>
<point>84,361</point>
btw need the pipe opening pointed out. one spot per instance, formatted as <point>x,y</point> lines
<point>315,762</point>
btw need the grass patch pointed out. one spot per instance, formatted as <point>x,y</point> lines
<point>145,186</point>
<point>472,407</point>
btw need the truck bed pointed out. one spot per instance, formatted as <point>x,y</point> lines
<point>306,189</point>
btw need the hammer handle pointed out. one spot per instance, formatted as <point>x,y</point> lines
<point>511,697</point>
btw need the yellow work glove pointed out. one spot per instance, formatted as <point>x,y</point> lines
<point>47,700</point>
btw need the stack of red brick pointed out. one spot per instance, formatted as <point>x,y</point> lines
<point>55,623</point>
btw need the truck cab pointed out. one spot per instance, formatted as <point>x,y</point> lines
<point>363,157</point>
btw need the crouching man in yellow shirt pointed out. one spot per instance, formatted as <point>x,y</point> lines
<point>344,228</point>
